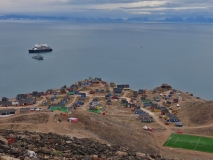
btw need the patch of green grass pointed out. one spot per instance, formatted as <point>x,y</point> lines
<point>58,152</point>
<point>190,142</point>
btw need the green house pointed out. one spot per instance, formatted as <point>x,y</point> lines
<point>58,107</point>
<point>71,93</point>
<point>94,110</point>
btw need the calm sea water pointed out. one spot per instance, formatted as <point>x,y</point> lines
<point>177,54</point>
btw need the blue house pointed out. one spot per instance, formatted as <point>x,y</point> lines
<point>139,111</point>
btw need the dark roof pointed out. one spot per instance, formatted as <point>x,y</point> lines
<point>4,99</point>
<point>21,96</point>
<point>24,109</point>
<point>28,100</point>
<point>35,93</point>
<point>158,108</point>
<point>95,99</point>
<point>123,86</point>
<point>92,108</point>
<point>133,105</point>
<point>4,103</point>
<point>138,110</point>
<point>171,116</point>
<point>178,123</point>
<point>154,105</point>
<point>49,90</point>
<point>7,110</point>
<point>141,91</point>
<point>99,79</point>
<point>165,86</point>
<point>135,92</point>
<point>165,110</point>
<point>117,89</point>
<point>145,116</point>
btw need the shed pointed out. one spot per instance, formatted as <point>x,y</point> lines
<point>178,124</point>
<point>24,110</point>
<point>73,120</point>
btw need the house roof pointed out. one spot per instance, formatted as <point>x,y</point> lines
<point>123,86</point>
<point>28,100</point>
<point>3,103</point>
<point>165,110</point>
<point>145,116</point>
<point>7,110</point>
<point>24,109</point>
<point>117,89</point>
<point>21,96</point>
<point>171,116</point>
<point>138,110</point>
<point>154,105</point>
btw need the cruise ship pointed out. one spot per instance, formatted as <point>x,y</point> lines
<point>39,48</point>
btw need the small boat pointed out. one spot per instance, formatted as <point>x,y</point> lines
<point>38,57</point>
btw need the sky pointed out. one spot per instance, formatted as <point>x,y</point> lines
<point>108,8</point>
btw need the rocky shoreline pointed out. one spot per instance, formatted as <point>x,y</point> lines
<point>26,145</point>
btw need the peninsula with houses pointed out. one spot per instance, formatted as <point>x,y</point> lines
<point>140,124</point>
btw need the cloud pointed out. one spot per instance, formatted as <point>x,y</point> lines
<point>106,7</point>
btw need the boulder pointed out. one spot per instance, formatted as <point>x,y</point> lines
<point>120,153</point>
<point>3,140</point>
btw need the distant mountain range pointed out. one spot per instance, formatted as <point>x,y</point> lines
<point>177,19</point>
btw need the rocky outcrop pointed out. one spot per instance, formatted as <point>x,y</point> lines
<point>35,145</point>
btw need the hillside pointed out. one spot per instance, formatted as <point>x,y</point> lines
<point>195,114</point>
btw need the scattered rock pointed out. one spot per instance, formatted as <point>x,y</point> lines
<point>37,145</point>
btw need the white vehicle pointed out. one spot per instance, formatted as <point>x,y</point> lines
<point>37,109</point>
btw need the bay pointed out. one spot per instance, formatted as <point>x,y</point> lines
<point>177,54</point>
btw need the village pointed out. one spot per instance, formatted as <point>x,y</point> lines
<point>67,110</point>
<point>163,100</point>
